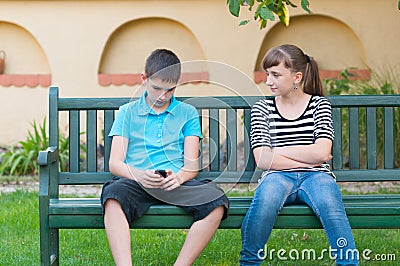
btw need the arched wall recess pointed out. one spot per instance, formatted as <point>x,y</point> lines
<point>24,61</point>
<point>127,48</point>
<point>333,44</point>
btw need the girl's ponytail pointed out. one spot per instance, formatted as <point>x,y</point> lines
<point>311,81</point>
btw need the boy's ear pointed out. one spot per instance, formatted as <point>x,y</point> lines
<point>143,76</point>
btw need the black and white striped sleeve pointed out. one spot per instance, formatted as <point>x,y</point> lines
<point>260,126</point>
<point>323,125</point>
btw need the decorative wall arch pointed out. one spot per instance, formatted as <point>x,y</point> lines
<point>25,63</point>
<point>125,52</point>
<point>333,44</point>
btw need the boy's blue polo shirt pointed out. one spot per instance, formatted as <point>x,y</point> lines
<point>155,141</point>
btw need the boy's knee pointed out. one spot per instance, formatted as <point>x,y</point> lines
<point>216,215</point>
<point>111,204</point>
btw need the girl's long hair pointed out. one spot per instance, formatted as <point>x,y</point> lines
<point>295,60</point>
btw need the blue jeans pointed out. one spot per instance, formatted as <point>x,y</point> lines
<point>319,191</point>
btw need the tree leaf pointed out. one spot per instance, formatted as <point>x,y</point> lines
<point>251,4</point>
<point>398,5</point>
<point>305,4</point>
<point>243,22</point>
<point>288,2</point>
<point>266,14</point>
<point>263,24</point>
<point>234,7</point>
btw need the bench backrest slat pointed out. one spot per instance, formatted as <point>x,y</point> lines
<point>66,104</point>
<point>201,157</point>
<point>249,158</point>
<point>354,139</point>
<point>214,140</point>
<point>74,140</point>
<point>109,117</point>
<point>225,121</point>
<point>53,117</point>
<point>365,100</point>
<point>91,140</point>
<point>389,137</point>
<point>371,138</point>
<point>53,139</point>
<point>231,139</point>
<point>337,141</point>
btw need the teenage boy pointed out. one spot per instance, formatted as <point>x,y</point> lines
<point>158,132</point>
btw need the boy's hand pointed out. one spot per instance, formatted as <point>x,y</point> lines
<point>149,179</point>
<point>171,182</point>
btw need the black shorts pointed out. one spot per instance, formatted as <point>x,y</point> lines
<point>196,197</point>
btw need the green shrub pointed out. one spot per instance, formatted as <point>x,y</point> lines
<point>383,81</point>
<point>22,159</point>
<point>341,84</point>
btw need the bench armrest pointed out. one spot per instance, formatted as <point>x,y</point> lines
<point>48,156</point>
<point>47,161</point>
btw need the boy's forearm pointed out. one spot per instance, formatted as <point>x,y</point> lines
<point>186,175</point>
<point>123,170</point>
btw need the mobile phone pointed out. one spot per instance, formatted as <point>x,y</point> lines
<point>163,173</point>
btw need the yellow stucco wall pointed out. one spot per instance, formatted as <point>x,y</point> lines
<point>74,41</point>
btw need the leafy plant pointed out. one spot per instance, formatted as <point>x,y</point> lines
<point>22,159</point>
<point>266,10</point>
<point>383,81</point>
<point>341,84</point>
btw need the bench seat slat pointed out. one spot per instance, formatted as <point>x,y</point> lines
<point>377,204</point>
<point>233,222</point>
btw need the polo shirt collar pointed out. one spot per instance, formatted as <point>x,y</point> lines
<point>144,108</point>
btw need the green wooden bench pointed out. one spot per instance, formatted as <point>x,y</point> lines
<point>360,154</point>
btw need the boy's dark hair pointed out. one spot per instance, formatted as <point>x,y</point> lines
<point>163,64</point>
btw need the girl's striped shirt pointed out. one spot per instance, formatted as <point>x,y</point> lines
<point>269,128</point>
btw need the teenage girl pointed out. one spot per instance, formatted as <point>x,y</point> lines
<point>291,137</point>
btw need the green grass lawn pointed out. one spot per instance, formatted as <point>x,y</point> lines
<point>19,243</point>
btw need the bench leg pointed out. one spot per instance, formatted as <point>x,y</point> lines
<point>49,250</point>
